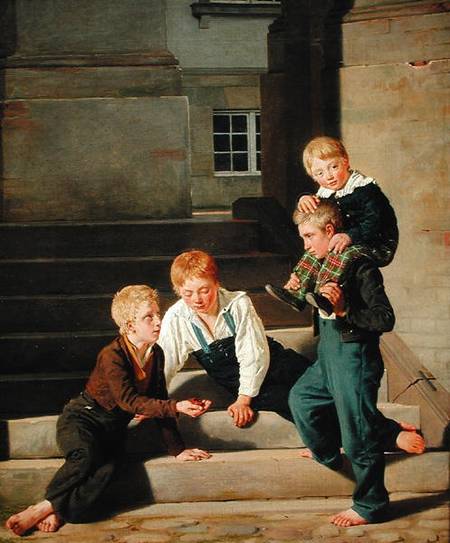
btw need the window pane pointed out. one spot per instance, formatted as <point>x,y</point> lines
<point>221,123</point>
<point>258,123</point>
<point>258,161</point>
<point>258,142</point>
<point>239,143</point>
<point>240,162</point>
<point>239,123</point>
<point>222,142</point>
<point>222,162</point>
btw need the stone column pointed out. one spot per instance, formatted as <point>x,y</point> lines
<point>93,124</point>
<point>298,91</point>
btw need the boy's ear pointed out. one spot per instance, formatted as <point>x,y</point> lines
<point>130,327</point>
<point>329,230</point>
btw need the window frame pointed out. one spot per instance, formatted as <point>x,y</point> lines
<point>252,150</point>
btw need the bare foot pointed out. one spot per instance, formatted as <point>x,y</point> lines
<point>306,453</point>
<point>410,441</point>
<point>26,519</point>
<point>348,518</point>
<point>407,427</point>
<point>52,523</point>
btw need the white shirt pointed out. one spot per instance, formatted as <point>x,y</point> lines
<point>178,339</point>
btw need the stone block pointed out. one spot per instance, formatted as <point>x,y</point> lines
<point>103,158</point>
<point>83,26</point>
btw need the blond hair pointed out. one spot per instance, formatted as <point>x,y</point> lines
<point>326,213</point>
<point>127,301</point>
<point>322,147</point>
<point>192,264</point>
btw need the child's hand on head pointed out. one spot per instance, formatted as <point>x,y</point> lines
<point>194,407</point>
<point>339,242</point>
<point>308,203</point>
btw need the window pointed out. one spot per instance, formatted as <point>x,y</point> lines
<point>237,142</point>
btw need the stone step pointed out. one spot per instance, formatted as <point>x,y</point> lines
<point>59,313</point>
<point>49,276</point>
<point>49,370</point>
<point>127,238</point>
<point>35,437</point>
<point>241,475</point>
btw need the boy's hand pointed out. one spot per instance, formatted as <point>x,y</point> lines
<point>334,293</point>
<point>193,408</point>
<point>339,242</point>
<point>193,455</point>
<point>241,411</point>
<point>293,283</point>
<point>308,203</point>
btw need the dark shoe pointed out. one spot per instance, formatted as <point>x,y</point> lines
<point>285,296</point>
<point>319,301</point>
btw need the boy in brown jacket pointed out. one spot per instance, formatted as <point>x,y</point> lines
<point>127,383</point>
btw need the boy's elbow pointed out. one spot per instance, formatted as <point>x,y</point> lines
<point>388,322</point>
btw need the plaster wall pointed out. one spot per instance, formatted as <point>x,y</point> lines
<point>394,121</point>
<point>221,59</point>
<point>227,42</point>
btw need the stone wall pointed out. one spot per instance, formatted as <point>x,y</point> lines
<point>394,108</point>
<point>375,73</point>
<point>93,126</point>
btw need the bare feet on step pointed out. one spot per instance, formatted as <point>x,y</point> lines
<point>26,519</point>
<point>52,523</point>
<point>409,440</point>
<point>348,518</point>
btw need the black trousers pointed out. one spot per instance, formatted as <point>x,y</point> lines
<point>92,441</point>
<point>286,367</point>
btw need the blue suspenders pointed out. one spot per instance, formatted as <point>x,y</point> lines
<point>201,337</point>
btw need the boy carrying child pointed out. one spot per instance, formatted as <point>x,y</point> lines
<point>126,383</point>
<point>370,226</point>
<point>334,403</point>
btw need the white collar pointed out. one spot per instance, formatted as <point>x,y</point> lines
<point>355,180</point>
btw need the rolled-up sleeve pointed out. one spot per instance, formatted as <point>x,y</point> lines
<point>252,349</point>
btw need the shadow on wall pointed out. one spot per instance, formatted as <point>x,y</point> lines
<point>8,42</point>
<point>332,60</point>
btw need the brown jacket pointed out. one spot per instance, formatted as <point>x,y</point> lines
<point>112,384</point>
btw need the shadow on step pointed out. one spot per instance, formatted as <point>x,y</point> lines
<point>417,504</point>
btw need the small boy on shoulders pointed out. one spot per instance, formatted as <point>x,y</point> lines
<point>370,225</point>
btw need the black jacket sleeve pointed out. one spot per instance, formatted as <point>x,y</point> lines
<point>368,307</point>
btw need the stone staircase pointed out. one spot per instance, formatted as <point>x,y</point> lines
<point>56,284</point>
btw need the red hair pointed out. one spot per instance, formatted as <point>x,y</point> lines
<point>192,264</point>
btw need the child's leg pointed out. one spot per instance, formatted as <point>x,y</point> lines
<point>333,269</point>
<point>306,271</point>
<point>355,370</point>
<point>314,414</point>
<point>88,468</point>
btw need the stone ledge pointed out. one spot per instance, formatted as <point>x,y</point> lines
<point>36,437</point>
<point>242,475</point>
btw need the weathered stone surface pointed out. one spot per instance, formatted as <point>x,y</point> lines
<point>227,476</point>
<point>109,157</point>
<point>84,27</point>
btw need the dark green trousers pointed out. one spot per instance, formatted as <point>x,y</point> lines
<point>334,404</point>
